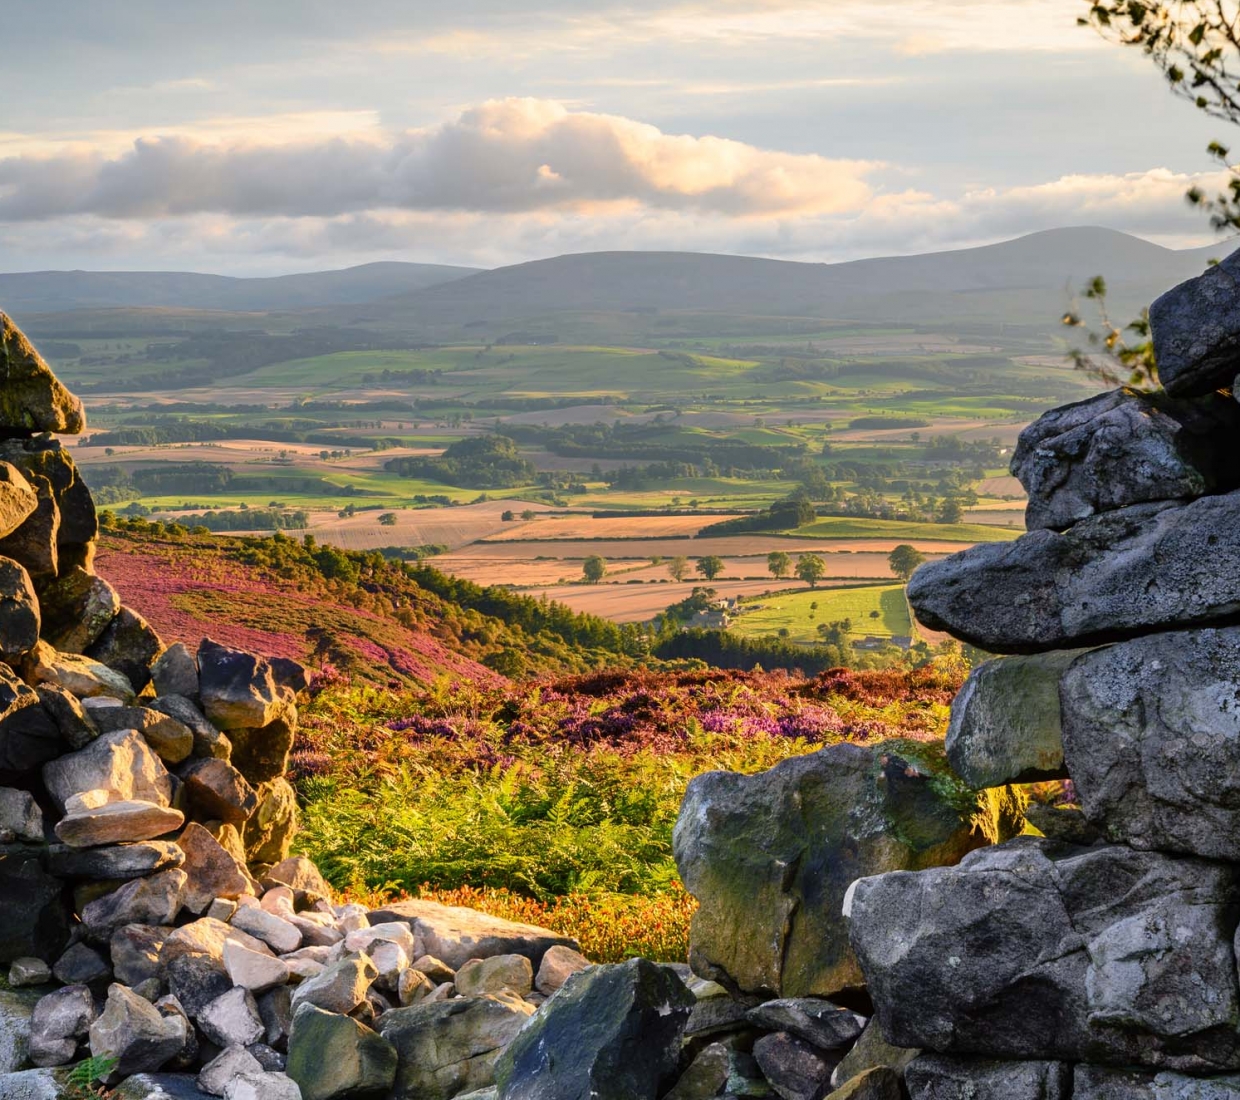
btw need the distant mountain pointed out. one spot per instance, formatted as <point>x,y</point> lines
<point>63,291</point>
<point>1028,280</point>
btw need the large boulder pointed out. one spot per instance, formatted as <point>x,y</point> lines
<point>610,1033</point>
<point>120,763</point>
<point>36,542</point>
<point>114,863</point>
<point>130,645</point>
<point>240,690</point>
<point>16,1009</point>
<point>771,856</point>
<point>77,608</point>
<point>261,755</point>
<point>1133,571</point>
<point>446,1048</point>
<point>172,740</point>
<point>34,915</point>
<point>1005,722</point>
<point>132,1031</point>
<point>331,1056</point>
<point>20,617</point>
<point>933,1077</point>
<point>269,831</point>
<point>18,499</point>
<point>117,823</point>
<point>46,459</point>
<point>217,791</point>
<point>32,400</point>
<point>1099,1083</point>
<point>1195,328</point>
<point>454,935</point>
<point>1036,951</point>
<point>29,737</point>
<point>1152,739</point>
<point>1123,448</point>
<point>152,900</point>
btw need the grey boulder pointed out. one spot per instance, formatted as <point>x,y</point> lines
<point>933,1077</point>
<point>131,1030</point>
<point>333,1056</point>
<point>1195,328</point>
<point>1098,1083</point>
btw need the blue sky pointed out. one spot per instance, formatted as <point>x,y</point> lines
<point>256,138</point>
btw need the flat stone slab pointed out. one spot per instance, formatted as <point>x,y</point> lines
<point>118,823</point>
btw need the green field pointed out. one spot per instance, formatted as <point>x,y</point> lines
<point>845,527</point>
<point>878,610</point>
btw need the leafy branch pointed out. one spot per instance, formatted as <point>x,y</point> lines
<point>1114,358</point>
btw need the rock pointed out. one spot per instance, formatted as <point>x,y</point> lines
<point>20,619</point>
<point>135,949</point>
<point>262,1086</point>
<point>341,987</point>
<point>232,1019</point>
<point>716,1013</point>
<point>196,981</point>
<point>28,736</point>
<point>77,727</point>
<point>117,823</point>
<point>413,987</point>
<point>34,916</point>
<point>363,939</point>
<point>879,1083</point>
<point>493,975</point>
<point>276,1009</point>
<point>175,672</point>
<point>558,965</point>
<point>213,872</point>
<point>1122,448</point>
<point>771,856</point>
<point>448,1047</point>
<point>20,815</point>
<point>1033,950</point>
<point>28,971</point>
<point>253,971</point>
<point>1005,722</point>
<point>262,754</point>
<point>81,965</point>
<point>1097,1083</point>
<point>59,1021</point>
<point>132,1031</point>
<point>216,789</point>
<point>455,935</point>
<point>120,763</point>
<point>208,741</point>
<point>32,400</point>
<point>80,675</point>
<point>391,961</point>
<point>159,1086</point>
<point>172,740</point>
<point>301,874</point>
<point>334,1056</point>
<point>239,689</point>
<point>32,1084</point>
<point>124,861</point>
<point>275,931</point>
<point>35,542</point>
<point>129,644</point>
<point>270,830</point>
<point>1063,823</point>
<point>797,1070</point>
<point>153,900</point>
<point>707,1075</point>
<point>1055,591</point>
<point>16,1025</point>
<point>581,1043</point>
<point>872,1051</point>
<point>826,1026</point>
<point>231,1062</point>
<point>1194,330</point>
<point>1152,739</point>
<point>18,499</point>
<point>46,459</point>
<point>78,606</point>
<point>207,937</point>
<point>932,1077</point>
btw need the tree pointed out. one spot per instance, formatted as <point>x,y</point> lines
<point>950,511</point>
<point>678,568</point>
<point>388,519</point>
<point>529,514</point>
<point>508,516</point>
<point>811,569</point>
<point>594,568</point>
<point>710,566</point>
<point>779,564</point>
<point>904,560</point>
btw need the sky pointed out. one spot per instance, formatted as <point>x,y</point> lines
<point>259,137</point>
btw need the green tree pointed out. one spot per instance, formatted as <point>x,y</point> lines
<point>811,569</point>
<point>710,566</point>
<point>678,567</point>
<point>904,560</point>
<point>779,564</point>
<point>388,519</point>
<point>594,568</point>
<point>950,511</point>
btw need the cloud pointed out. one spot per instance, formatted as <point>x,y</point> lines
<point>502,156</point>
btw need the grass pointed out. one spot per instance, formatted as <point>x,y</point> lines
<point>846,527</point>
<point>879,610</point>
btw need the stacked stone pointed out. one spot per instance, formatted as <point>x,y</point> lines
<point>1098,961</point>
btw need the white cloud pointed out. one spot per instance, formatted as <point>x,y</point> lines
<point>501,156</point>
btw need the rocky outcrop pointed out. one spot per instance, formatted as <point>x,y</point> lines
<point>1195,328</point>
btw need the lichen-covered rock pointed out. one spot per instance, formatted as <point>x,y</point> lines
<point>32,400</point>
<point>270,829</point>
<point>610,1033</point>
<point>130,645</point>
<point>35,543</point>
<point>879,1083</point>
<point>77,727</point>
<point>333,1056</point>
<point>1134,571</point>
<point>932,1077</point>
<point>209,743</point>
<point>78,675</point>
<point>20,616</point>
<point>1038,951</point>
<point>59,1021</point>
<point>172,740</point>
<point>797,1070</point>
<point>239,690</point>
<point>449,1047</point>
<point>1098,1083</point>
<point>827,1026</point>
<point>175,672</point>
<point>871,1051</point>
<point>1152,739</point>
<point>771,856</point>
<point>77,607</point>
<point>45,460</point>
<point>1195,328</point>
<point>16,1009</point>
<point>18,499</point>
<point>1123,448</point>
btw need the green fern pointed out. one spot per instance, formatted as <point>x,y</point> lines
<point>82,1078</point>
